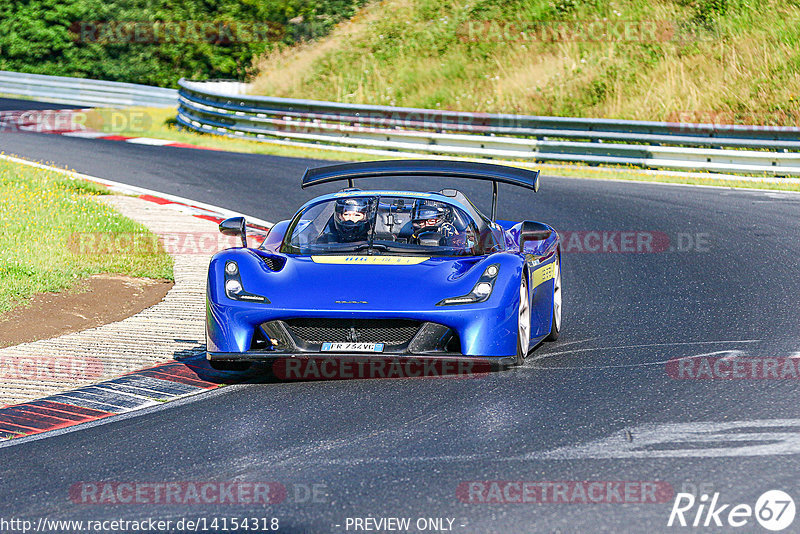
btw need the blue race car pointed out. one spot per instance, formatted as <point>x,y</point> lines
<point>389,273</point>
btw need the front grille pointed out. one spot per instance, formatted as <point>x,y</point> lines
<point>389,331</point>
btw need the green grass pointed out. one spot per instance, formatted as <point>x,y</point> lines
<point>729,61</point>
<point>41,212</point>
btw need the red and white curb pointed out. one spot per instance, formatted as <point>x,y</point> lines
<point>134,391</point>
<point>69,123</point>
<point>152,141</point>
<point>183,376</point>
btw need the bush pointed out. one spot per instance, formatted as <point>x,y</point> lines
<point>75,37</point>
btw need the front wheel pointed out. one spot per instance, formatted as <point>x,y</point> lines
<point>555,327</point>
<point>523,321</point>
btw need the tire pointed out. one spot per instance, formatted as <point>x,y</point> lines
<point>523,321</point>
<point>555,327</point>
<point>228,365</point>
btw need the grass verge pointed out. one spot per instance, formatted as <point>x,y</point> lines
<point>723,61</point>
<point>41,213</point>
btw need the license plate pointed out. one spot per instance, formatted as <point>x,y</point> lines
<point>352,347</point>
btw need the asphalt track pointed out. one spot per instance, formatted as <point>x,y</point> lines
<point>13,104</point>
<point>598,405</point>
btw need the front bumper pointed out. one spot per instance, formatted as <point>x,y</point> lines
<point>331,366</point>
<point>486,332</point>
<point>484,329</point>
<point>308,335</point>
<point>399,340</point>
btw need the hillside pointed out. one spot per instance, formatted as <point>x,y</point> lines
<point>689,60</point>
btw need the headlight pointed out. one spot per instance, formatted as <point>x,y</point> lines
<point>234,288</point>
<point>482,290</point>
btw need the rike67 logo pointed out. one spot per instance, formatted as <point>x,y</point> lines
<point>774,510</point>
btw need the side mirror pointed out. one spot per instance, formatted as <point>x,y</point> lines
<point>235,226</point>
<point>532,231</point>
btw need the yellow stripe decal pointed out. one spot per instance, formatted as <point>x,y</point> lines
<point>370,260</point>
<point>544,273</point>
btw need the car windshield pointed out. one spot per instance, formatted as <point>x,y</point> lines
<point>385,225</point>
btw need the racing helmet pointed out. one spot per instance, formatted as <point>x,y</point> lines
<point>351,218</point>
<point>429,216</point>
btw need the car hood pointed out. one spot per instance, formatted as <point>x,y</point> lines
<point>371,282</point>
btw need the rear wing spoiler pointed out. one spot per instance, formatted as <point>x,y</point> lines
<point>419,167</point>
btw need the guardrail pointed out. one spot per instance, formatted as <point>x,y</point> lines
<point>212,108</point>
<point>84,92</point>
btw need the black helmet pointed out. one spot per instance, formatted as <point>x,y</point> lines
<point>352,218</point>
<point>429,216</point>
